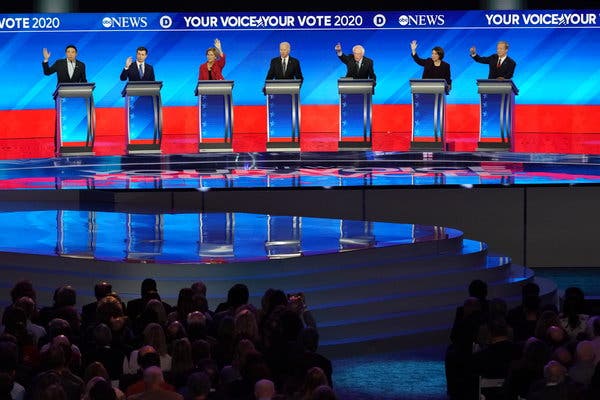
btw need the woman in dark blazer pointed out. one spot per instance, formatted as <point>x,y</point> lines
<point>433,67</point>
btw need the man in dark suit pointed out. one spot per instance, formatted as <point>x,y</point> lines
<point>358,66</point>
<point>140,70</point>
<point>501,65</point>
<point>67,69</point>
<point>285,66</point>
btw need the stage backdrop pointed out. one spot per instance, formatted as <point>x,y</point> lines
<point>557,64</point>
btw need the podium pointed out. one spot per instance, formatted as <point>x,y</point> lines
<point>428,114</point>
<point>144,116</point>
<point>497,101</point>
<point>356,109</point>
<point>215,115</point>
<point>75,118</point>
<point>283,114</point>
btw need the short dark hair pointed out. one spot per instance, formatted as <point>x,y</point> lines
<point>439,51</point>
<point>71,46</point>
<point>142,48</point>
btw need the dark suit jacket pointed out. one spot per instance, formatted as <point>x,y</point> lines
<point>366,68</point>
<point>506,70</point>
<point>132,73</point>
<point>62,73</point>
<point>430,71</point>
<point>292,71</point>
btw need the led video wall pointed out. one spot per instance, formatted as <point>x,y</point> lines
<point>554,50</point>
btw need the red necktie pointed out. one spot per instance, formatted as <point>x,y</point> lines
<point>499,63</point>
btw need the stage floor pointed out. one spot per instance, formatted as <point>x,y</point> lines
<point>204,171</point>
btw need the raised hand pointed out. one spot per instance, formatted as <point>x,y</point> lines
<point>128,62</point>
<point>46,54</point>
<point>413,46</point>
<point>338,47</point>
<point>473,50</point>
<point>218,46</point>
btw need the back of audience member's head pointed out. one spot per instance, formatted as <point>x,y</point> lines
<point>273,298</point>
<point>479,289</point>
<point>314,378</point>
<point>27,304</point>
<point>71,315</point>
<point>556,335</point>
<point>23,288</point>
<point>309,339</point>
<point>264,389</point>
<point>107,308</point>
<point>65,296</point>
<point>42,382</point>
<point>584,352</point>
<point>102,289</point>
<point>154,311</point>
<point>148,357</point>
<point>102,335</point>
<point>536,352</point>
<point>554,372</point>
<point>196,325</point>
<point>175,330</point>
<point>53,392</point>
<point>563,356</point>
<point>238,295</point>
<point>153,377</point>
<point>530,291</point>
<point>15,322</point>
<point>199,287</point>
<point>181,354</point>
<point>185,302</point>
<point>95,370</point>
<point>57,327</point>
<point>198,384</point>
<point>102,390</point>
<point>148,285</point>
<point>53,357</point>
<point>154,335</point>
<point>323,392</point>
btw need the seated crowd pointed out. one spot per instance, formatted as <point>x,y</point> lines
<point>146,348</point>
<point>532,351</point>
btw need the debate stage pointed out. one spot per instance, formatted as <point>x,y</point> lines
<point>383,244</point>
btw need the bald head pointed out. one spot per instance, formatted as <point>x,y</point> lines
<point>264,389</point>
<point>153,377</point>
<point>554,372</point>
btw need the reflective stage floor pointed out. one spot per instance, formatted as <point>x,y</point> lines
<point>205,171</point>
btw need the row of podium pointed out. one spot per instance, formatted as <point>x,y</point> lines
<point>75,115</point>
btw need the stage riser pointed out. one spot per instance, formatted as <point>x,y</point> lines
<point>319,286</point>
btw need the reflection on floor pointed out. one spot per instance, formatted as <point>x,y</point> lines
<point>264,170</point>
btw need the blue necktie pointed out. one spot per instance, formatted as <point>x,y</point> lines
<point>141,71</point>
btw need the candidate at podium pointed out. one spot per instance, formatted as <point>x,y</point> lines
<point>140,70</point>
<point>433,67</point>
<point>501,66</point>
<point>212,69</point>
<point>357,65</point>
<point>67,69</point>
<point>284,66</point>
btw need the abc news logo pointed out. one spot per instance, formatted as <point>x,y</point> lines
<point>164,21</point>
<point>421,20</point>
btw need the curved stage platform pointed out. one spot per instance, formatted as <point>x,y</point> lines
<point>383,244</point>
<point>371,286</point>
